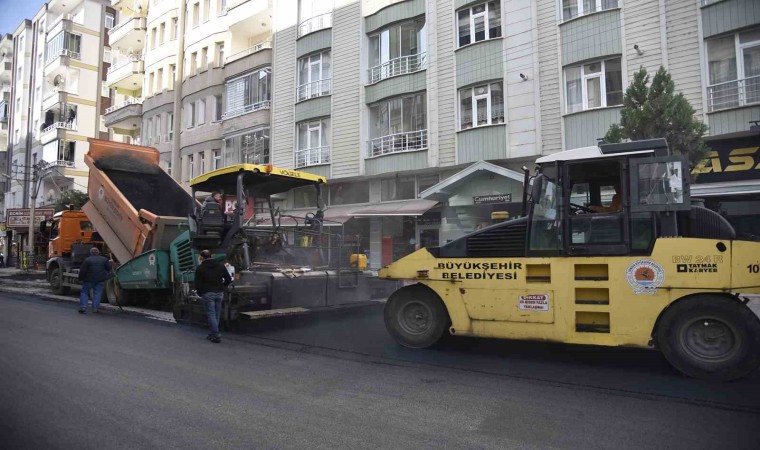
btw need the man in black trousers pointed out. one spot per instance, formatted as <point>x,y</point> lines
<point>211,277</point>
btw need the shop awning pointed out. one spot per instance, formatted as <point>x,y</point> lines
<point>416,207</point>
<point>334,216</point>
<point>448,187</point>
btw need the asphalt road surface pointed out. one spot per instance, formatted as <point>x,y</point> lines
<point>338,381</point>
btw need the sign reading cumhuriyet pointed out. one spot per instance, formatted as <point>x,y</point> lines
<point>491,199</point>
<point>19,217</point>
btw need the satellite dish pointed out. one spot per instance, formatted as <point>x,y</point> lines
<point>58,80</point>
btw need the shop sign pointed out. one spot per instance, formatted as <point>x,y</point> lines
<point>730,160</point>
<point>19,217</point>
<point>491,199</point>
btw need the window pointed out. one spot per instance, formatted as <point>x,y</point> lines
<point>398,124</point>
<point>218,108</point>
<point>399,188</point>
<point>153,38</point>
<point>216,159</point>
<point>594,85</point>
<point>349,193</point>
<point>193,63</point>
<point>397,50</point>
<point>151,80</point>
<point>314,75</point>
<point>64,43</point>
<point>314,15</point>
<point>157,132</point>
<point>159,80</point>
<point>219,52</point>
<point>481,105</point>
<point>575,8</point>
<point>479,23</point>
<point>206,9</point>
<point>250,148</point>
<point>313,143</point>
<point>204,58</point>
<point>196,14</point>
<point>190,167</point>
<point>170,125</point>
<point>202,163</point>
<point>733,66</point>
<point>174,29</point>
<point>149,131</point>
<point>201,112</point>
<point>248,93</point>
<point>190,120</point>
<point>162,33</point>
<point>109,20</point>
<point>170,76</point>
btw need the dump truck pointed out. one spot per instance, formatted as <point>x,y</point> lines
<point>71,236</point>
<point>611,252</point>
<point>156,229</point>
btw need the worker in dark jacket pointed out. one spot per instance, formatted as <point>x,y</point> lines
<point>95,271</point>
<point>211,277</point>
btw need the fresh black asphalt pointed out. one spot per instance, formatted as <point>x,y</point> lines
<point>338,381</point>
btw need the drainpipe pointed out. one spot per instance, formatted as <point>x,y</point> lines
<point>179,74</point>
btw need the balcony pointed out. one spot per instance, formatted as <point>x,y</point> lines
<point>6,69</point>
<point>129,32</point>
<point>126,73</point>
<point>58,62</point>
<point>57,130</point>
<point>4,113</point>
<point>397,66</point>
<point>312,156</point>
<point>54,97</point>
<point>249,51</point>
<point>733,94</point>
<point>125,116</point>
<point>315,24</point>
<point>267,104</point>
<point>397,143</point>
<point>314,89</point>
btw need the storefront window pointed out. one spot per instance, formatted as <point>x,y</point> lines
<point>401,188</point>
<point>349,193</point>
<point>426,182</point>
<point>398,238</point>
<point>305,197</point>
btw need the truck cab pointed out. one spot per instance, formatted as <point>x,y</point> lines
<point>611,252</point>
<point>71,235</point>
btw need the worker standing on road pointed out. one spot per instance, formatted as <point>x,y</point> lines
<point>95,271</point>
<point>211,277</point>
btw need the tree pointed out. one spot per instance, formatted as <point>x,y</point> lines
<point>656,112</point>
<point>72,197</point>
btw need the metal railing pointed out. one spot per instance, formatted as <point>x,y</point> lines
<point>63,52</point>
<point>247,109</point>
<point>62,163</point>
<point>397,66</point>
<point>56,125</point>
<point>134,101</point>
<point>733,94</point>
<point>314,89</point>
<point>315,23</point>
<point>124,62</point>
<point>249,51</point>
<point>312,156</point>
<point>395,143</point>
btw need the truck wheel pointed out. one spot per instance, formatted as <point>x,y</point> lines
<point>116,295</point>
<point>710,337</point>
<point>56,282</point>
<point>415,317</point>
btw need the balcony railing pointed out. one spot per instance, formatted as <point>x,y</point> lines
<point>396,143</point>
<point>123,62</point>
<point>312,156</point>
<point>397,66</point>
<point>314,89</point>
<point>733,94</point>
<point>246,109</point>
<point>56,125</point>
<point>63,52</point>
<point>134,101</point>
<point>61,163</point>
<point>249,51</point>
<point>315,24</point>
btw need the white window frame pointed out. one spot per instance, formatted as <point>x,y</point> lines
<point>109,21</point>
<point>170,125</point>
<point>581,12</point>
<point>474,105</point>
<point>741,76</point>
<point>190,112</point>
<point>190,167</point>
<point>216,159</point>
<point>157,124</point>
<point>485,14</point>
<point>314,84</point>
<point>602,75</point>
<point>149,131</point>
<point>310,147</point>
<point>200,111</point>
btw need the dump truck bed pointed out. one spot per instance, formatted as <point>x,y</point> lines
<point>134,204</point>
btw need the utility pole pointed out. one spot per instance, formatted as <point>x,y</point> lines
<point>34,187</point>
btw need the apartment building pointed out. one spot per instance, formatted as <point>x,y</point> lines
<point>57,98</point>
<point>6,71</point>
